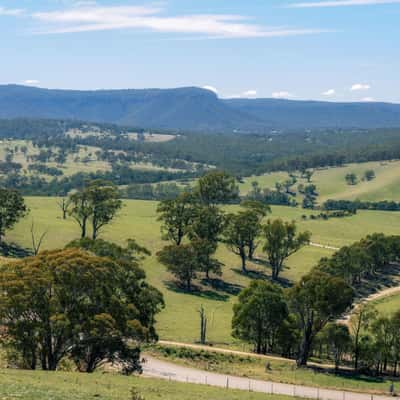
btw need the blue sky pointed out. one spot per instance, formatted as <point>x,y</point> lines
<point>337,50</point>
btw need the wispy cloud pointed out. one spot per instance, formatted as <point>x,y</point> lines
<point>249,93</point>
<point>340,3</point>
<point>11,12</point>
<point>282,95</point>
<point>31,82</point>
<point>330,92</point>
<point>360,86</point>
<point>368,99</point>
<point>152,18</point>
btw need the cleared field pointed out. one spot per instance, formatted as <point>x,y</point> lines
<point>85,159</point>
<point>331,182</point>
<point>179,321</point>
<point>152,137</point>
<point>265,181</point>
<point>34,385</point>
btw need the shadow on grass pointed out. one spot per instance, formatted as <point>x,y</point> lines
<point>196,291</point>
<point>13,250</point>
<point>222,286</point>
<point>351,374</point>
<point>252,274</point>
<point>389,277</point>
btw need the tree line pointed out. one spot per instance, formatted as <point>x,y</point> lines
<point>300,322</point>
<point>354,205</point>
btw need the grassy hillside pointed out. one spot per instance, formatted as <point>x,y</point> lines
<point>388,305</point>
<point>28,385</point>
<point>331,182</point>
<point>179,320</point>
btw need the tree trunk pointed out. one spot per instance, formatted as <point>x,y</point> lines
<point>304,348</point>
<point>251,251</point>
<point>83,229</point>
<point>243,258</point>
<point>275,273</point>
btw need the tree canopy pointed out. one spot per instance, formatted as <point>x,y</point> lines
<point>73,303</point>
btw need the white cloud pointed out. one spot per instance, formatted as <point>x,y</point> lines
<point>368,99</point>
<point>11,12</point>
<point>330,92</point>
<point>98,18</point>
<point>341,3</point>
<point>249,93</point>
<point>31,82</point>
<point>211,88</point>
<point>360,86</point>
<point>282,95</point>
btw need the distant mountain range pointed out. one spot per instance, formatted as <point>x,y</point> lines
<point>191,109</point>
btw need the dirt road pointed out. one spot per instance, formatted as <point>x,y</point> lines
<point>165,370</point>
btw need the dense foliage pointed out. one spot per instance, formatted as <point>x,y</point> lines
<point>72,303</point>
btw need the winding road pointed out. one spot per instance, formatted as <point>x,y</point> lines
<point>165,370</point>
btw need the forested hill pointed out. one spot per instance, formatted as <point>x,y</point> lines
<point>191,109</point>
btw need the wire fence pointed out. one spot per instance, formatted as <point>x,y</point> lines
<point>270,388</point>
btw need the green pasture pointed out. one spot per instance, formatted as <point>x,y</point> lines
<point>179,320</point>
<point>388,305</point>
<point>331,183</point>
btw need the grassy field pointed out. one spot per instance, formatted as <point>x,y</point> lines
<point>331,182</point>
<point>83,160</point>
<point>388,305</point>
<point>28,385</point>
<point>179,321</point>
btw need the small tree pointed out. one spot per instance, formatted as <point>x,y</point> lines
<point>361,318</point>
<point>36,241</point>
<point>240,233</point>
<point>308,173</point>
<point>81,209</point>
<point>64,204</point>
<point>203,325</point>
<point>176,216</point>
<point>12,209</point>
<point>317,299</point>
<point>338,339</point>
<point>369,175</point>
<point>351,178</point>
<point>97,202</point>
<point>182,262</point>
<point>216,187</point>
<point>204,233</point>
<point>261,210</point>
<point>281,241</point>
<point>258,314</point>
<point>105,202</point>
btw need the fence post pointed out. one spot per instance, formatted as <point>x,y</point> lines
<point>294,390</point>
<point>249,386</point>
<point>272,388</point>
<point>206,379</point>
<point>344,395</point>
<point>227,383</point>
<point>317,393</point>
